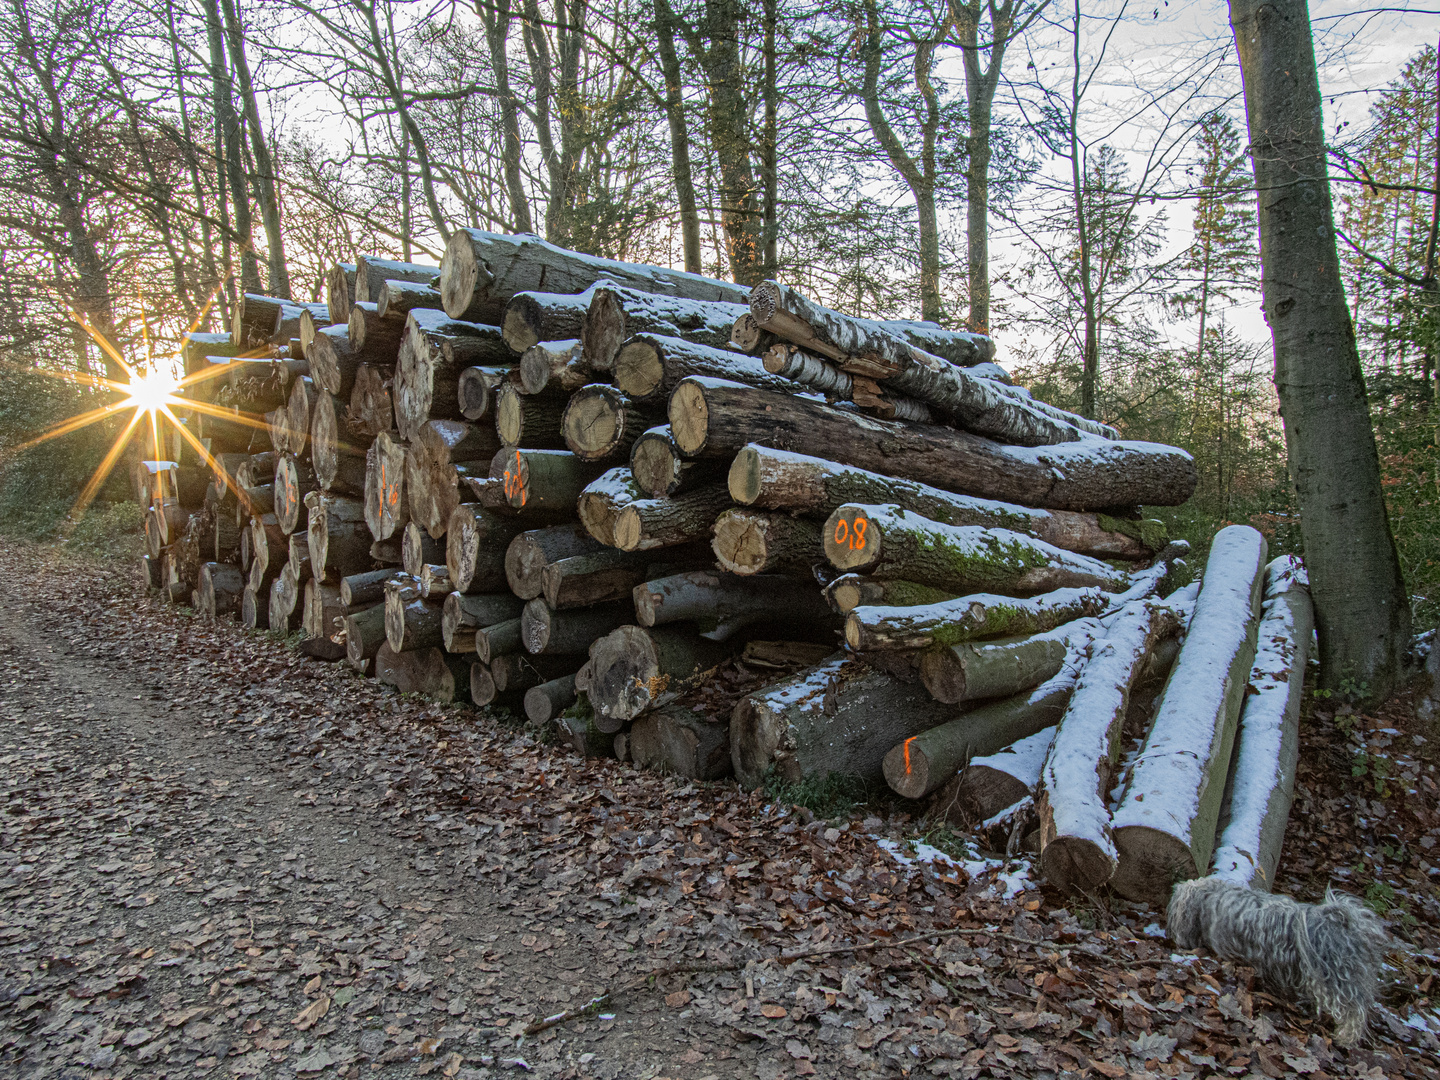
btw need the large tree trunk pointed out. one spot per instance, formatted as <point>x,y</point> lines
<point>1165,824</point>
<point>600,503</point>
<point>1362,609</point>
<point>431,481</point>
<point>339,539</point>
<point>547,701</point>
<point>559,633</point>
<point>647,524</point>
<point>529,420</point>
<point>556,366</point>
<point>538,483</point>
<point>756,542</point>
<point>371,411</point>
<point>617,314</point>
<point>373,336</point>
<point>778,480</point>
<point>475,548</point>
<point>679,135</point>
<point>600,423</point>
<point>481,271</point>
<point>427,370</point>
<point>340,291</point>
<point>839,717</point>
<point>337,451</point>
<point>432,672</point>
<point>476,392</point>
<point>1267,749</point>
<point>712,417</point>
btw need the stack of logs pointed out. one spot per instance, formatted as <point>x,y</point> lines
<point>627,505</point>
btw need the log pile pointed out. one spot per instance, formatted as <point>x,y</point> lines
<point>594,493</point>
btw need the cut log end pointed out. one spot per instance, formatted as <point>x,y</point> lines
<point>689,418</point>
<point>1075,864</point>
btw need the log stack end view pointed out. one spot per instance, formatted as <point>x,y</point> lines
<point>728,532</point>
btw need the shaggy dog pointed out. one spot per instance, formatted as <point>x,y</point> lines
<point>1327,954</point>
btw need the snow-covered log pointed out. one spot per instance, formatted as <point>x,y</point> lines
<point>989,783</point>
<point>646,524</point>
<point>554,365</point>
<point>1076,846</point>
<point>600,503</point>
<point>850,591</point>
<point>649,366</point>
<point>1165,824</point>
<point>1262,780</point>
<point>599,423</point>
<point>532,317</point>
<point>618,313</point>
<point>780,480</point>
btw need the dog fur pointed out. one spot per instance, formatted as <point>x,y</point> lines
<point>1325,954</point>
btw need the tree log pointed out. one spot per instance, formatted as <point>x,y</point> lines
<point>340,291</point>
<point>649,366</point>
<point>295,425</point>
<point>294,479</point>
<point>661,471</point>
<point>361,590</point>
<point>498,640</point>
<point>432,483</point>
<point>533,317</point>
<point>268,544</point>
<point>387,510</point>
<point>530,552</point>
<point>547,701</point>
<point>299,561</point>
<point>432,672</point>
<point>481,271</point>
<point>589,741</point>
<point>529,420</point>
<point>463,615</point>
<point>414,624</point>
<point>749,336</point>
<point>554,365</point>
<point>598,577</point>
<point>779,480</point>
<point>599,423</point>
<point>370,410</point>
<point>537,482</point>
<point>338,536</point>
<point>310,325</point>
<point>220,587</point>
<point>419,548</point>
<point>1076,846</point>
<point>286,593</point>
<point>617,314</point>
<point>476,392</point>
<point>600,503</point>
<point>990,784</point>
<point>150,572</point>
<point>559,633</point>
<point>968,618</point>
<point>1267,750</point>
<point>921,764</point>
<point>396,299</point>
<point>476,546</point>
<point>371,273</point>
<point>839,717</point>
<point>254,607</point>
<point>849,591</point>
<point>720,605</point>
<point>756,542</point>
<point>634,670</point>
<point>1165,824</point>
<point>337,452</point>
<point>710,417</point>
<point>427,374</point>
<point>647,524</point>
<point>514,673</point>
<point>974,670</point>
<point>334,359</point>
<point>364,635</point>
<point>888,542</point>
<point>373,336</point>
<point>435,581</point>
<point>679,742</point>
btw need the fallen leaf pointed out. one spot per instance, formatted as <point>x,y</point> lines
<point>678,1000</point>
<point>312,985</point>
<point>312,1013</point>
<point>774,1012</point>
<point>429,1044</point>
<point>1109,1068</point>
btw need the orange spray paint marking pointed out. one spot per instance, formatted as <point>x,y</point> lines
<point>857,542</point>
<point>842,531</point>
<point>908,741</point>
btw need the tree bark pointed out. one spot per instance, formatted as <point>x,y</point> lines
<point>417,624</point>
<point>367,588</point>
<point>840,717</point>
<point>680,167</point>
<point>617,314</point>
<point>435,581</point>
<point>850,591</point>
<point>418,548</point>
<point>634,670</point>
<point>1165,824</point>
<point>364,635</point>
<point>431,671</point>
<point>340,291</point>
<point>554,365</point>
<point>710,417</point>
<point>220,588</point>
<point>540,482</point>
<point>337,451</point>
<point>594,578</point>
<point>427,373</point>
<point>779,480</point>
<point>1362,610</point>
<point>370,410</point>
<point>396,299</point>
<point>990,784</point>
<point>973,670</point>
<point>476,392</point>
<point>481,271</point>
<point>661,471</point>
<point>378,338</point>
<point>339,539</point>
<point>498,640</point>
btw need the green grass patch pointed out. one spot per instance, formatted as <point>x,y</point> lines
<point>833,796</point>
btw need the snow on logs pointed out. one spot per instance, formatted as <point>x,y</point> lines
<point>1262,780</point>
<point>1165,824</point>
<point>715,417</point>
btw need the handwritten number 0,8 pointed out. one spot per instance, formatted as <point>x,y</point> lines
<point>851,535</point>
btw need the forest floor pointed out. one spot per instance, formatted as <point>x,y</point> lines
<point>220,859</point>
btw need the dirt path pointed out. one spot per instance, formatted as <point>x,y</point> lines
<point>219,859</point>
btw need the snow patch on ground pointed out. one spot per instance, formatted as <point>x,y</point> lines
<point>1010,877</point>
